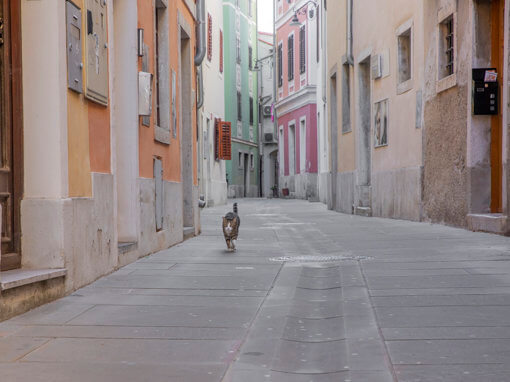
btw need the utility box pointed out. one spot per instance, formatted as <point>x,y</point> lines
<point>74,52</point>
<point>96,46</point>
<point>144,94</point>
<point>485,91</point>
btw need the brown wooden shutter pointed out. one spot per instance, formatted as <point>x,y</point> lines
<point>226,142</point>
<point>217,138</point>
<point>209,37</point>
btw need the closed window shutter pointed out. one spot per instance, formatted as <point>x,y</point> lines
<point>291,58</point>
<point>280,65</point>
<point>209,37</point>
<point>302,56</point>
<point>226,143</point>
<point>221,51</point>
<point>223,141</point>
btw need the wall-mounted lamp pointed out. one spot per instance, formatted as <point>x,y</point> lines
<point>140,42</point>
<point>295,19</point>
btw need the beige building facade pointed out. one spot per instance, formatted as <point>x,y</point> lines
<point>408,136</point>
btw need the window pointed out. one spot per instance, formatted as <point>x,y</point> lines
<point>240,159</point>
<point>281,147</point>
<point>221,51</point>
<point>447,48</point>
<point>250,57</point>
<point>239,107</point>
<point>280,64</point>
<point>290,57</point>
<point>252,161</point>
<point>404,56</point>
<point>302,146</point>
<point>346,99</point>
<point>161,77</point>
<point>302,51</point>
<point>292,149</point>
<point>209,37</point>
<point>238,50</point>
<point>251,111</point>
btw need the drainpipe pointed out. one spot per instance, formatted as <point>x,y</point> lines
<point>350,58</point>
<point>200,51</point>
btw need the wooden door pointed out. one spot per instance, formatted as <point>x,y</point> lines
<point>497,49</point>
<point>10,133</point>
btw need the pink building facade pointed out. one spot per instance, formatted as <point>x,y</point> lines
<point>296,109</point>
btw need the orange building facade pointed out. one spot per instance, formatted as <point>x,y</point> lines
<point>101,117</point>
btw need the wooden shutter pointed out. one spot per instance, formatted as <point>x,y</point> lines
<point>221,51</point>
<point>223,141</point>
<point>290,59</point>
<point>209,37</point>
<point>302,56</point>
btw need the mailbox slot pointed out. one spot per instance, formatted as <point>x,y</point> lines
<point>485,92</point>
<point>74,52</point>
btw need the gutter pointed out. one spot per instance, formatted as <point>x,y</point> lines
<point>350,58</point>
<point>200,51</point>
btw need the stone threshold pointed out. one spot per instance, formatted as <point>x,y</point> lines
<point>19,277</point>
<point>492,223</point>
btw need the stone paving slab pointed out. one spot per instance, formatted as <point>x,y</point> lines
<point>405,293</point>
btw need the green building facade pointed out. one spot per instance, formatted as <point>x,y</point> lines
<point>241,97</point>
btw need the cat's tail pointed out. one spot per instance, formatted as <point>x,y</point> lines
<point>235,208</point>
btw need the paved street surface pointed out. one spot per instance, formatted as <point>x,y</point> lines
<point>357,299</point>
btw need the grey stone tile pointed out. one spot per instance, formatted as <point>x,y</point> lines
<point>58,312</point>
<point>13,348</point>
<point>453,373</point>
<point>176,333</point>
<point>445,333</point>
<point>306,330</point>
<point>450,281</point>
<point>441,352</point>
<point>370,376</point>
<point>319,283</point>
<point>134,351</point>
<point>449,300</point>
<point>191,316</point>
<point>123,372</point>
<point>396,317</point>
<point>316,309</point>
<point>311,358</point>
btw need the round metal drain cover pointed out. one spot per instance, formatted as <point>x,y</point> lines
<point>310,258</point>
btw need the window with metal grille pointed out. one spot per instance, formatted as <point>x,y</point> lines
<point>209,37</point>
<point>223,140</point>
<point>302,50</point>
<point>239,107</point>
<point>449,46</point>
<point>290,58</point>
<point>251,111</point>
<point>280,64</point>
<point>446,64</point>
<point>238,50</point>
<point>221,51</point>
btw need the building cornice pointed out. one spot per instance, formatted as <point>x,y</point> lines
<point>244,142</point>
<point>303,97</point>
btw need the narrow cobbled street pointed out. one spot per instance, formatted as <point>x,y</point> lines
<point>310,296</point>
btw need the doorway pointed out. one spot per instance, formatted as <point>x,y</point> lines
<point>364,141</point>
<point>186,130</point>
<point>496,149</point>
<point>11,147</point>
<point>246,163</point>
<point>292,149</point>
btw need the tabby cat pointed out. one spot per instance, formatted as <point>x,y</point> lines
<point>231,223</point>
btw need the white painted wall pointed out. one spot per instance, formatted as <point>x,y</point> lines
<point>213,183</point>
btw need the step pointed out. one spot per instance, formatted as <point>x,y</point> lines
<point>188,232</point>
<point>19,277</point>
<point>363,211</point>
<point>493,223</point>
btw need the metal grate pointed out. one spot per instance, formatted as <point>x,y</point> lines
<point>450,54</point>
<point>319,258</point>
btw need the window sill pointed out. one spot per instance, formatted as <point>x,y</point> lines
<point>446,83</point>
<point>161,135</point>
<point>19,277</point>
<point>404,87</point>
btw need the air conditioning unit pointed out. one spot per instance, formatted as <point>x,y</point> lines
<point>267,111</point>
<point>376,66</point>
<point>268,138</point>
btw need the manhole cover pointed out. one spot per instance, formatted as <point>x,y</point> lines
<point>310,258</point>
